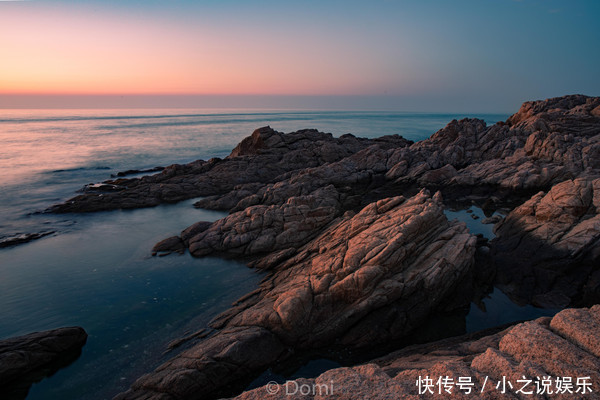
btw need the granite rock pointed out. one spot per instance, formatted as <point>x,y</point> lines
<point>367,278</point>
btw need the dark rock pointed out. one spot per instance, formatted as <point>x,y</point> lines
<point>173,344</point>
<point>102,188</point>
<point>212,368</point>
<point>137,171</point>
<point>546,249</point>
<point>23,238</point>
<point>27,359</point>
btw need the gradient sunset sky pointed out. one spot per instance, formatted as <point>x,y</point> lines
<point>463,55</point>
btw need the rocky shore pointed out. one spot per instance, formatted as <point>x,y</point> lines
<point>359,252</point>
<point>555,357</point>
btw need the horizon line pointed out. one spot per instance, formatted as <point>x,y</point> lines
<point>347,102</point>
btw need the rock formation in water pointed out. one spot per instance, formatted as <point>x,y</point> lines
<point>358,250</point>
<point>27,359</point>
<point>260,158</point>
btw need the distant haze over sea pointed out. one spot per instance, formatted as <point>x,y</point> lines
<point>418,103</point>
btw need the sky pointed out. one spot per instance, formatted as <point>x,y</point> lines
<point>421,55</point>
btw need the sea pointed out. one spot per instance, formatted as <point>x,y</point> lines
<point>95,270</point>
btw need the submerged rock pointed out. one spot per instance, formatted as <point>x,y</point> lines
<point>137,171</point>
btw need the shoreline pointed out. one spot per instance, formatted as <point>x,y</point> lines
<point>287,312</point>
<point>330,219</point>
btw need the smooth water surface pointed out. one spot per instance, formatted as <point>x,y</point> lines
<point>473,217</point>
<point>99,275</point>
<point>497,309</point>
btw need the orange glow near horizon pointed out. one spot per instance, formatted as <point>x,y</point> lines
<point>58,51</point>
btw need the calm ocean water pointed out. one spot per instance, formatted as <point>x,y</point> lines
<point>95,271</point>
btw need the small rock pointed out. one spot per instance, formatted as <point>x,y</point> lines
<point>168,246</point>
<point>494,219</point>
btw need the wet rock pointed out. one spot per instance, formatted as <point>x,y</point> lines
<point>102,188</point>
<point>212,368</point>
<point>29,358</point>
<point>22,238</point>
<point>173,344</point>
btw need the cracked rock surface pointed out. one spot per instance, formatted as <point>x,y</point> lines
<point>369,277</point>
